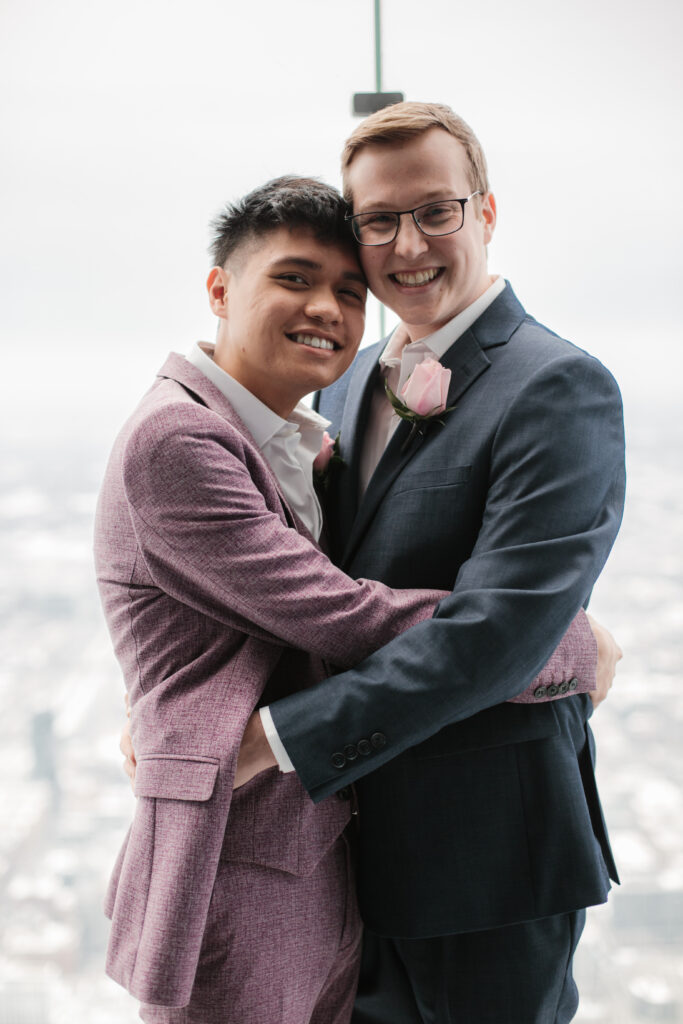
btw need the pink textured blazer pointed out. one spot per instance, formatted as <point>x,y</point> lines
<point>207,581</point>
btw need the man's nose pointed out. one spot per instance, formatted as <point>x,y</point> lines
<point>409,242</point>
<point>324,306</point>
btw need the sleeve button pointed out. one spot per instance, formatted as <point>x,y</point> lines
<point>573,683</point>
<point>350,752</point>
<point>378,740</point>
<point>553,690</point>
<point>338,760</point>
<point>364,747</point>
<point>540,692</point>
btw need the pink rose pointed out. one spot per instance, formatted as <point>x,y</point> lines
<point>322,459</point>
<point>426,390</point>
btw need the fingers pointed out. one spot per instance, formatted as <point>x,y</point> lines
<point>126,744</point>
<point>129,768</point>
<point>597,696</point>
<point>609,655</point>
<point>126,748</point>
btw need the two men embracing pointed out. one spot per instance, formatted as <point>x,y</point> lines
<point>434,678</point>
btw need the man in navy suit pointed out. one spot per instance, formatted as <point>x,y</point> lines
<point>482,836</point>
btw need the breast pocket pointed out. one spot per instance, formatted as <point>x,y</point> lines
<point>432,478</point>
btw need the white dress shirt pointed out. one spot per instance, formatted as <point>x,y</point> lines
<point>288,446</point>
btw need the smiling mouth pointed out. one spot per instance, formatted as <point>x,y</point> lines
<point>313,341</point>
<point>417,278</point>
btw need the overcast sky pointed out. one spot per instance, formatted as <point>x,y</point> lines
<point>125,126</point>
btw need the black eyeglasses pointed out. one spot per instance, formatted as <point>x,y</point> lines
<point>379,227</point>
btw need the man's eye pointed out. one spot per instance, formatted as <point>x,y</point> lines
<point>354,294</point>
<point>436,214</point>
<point>293,278</point>
<point>437,211</point>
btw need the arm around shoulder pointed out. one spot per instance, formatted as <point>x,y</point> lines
<point>213,534</point>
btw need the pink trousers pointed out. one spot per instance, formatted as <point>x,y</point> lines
<point>278,949</point>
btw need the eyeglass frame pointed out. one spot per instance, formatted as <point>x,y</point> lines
<point>399,213</point>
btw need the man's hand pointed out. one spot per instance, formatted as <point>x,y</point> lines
<point>609,653</point>
<point>255,754</point>
<point>126,748</point>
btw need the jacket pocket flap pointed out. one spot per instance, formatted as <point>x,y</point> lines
<point>494,727</point>
<point>176,777</point>
<point>423,479</point>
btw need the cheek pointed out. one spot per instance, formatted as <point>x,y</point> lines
<point>355,325</point>
<point>272,318</point>
<point>372,262</point>
<point>357,334</point>
<point>349,356</point>
<point>448,255</point>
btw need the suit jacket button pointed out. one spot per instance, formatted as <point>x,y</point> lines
<point>378,740</point>
<point>344,794</point>
<point>553,690</point>
<point>573,683</point>
<point>564,687</point>
<point>350,752</point>
<point>364,747</point>
<point>540,692</point>
<point>338,760</point>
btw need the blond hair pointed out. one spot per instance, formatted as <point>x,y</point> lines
<point>407,120</point>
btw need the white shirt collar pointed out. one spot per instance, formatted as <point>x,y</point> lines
<point>261,422</point>
<point>440,341</point>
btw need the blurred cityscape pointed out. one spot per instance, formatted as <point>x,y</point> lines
<point>67,803</point>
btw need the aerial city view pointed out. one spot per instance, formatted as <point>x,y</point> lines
<point>68,803</point>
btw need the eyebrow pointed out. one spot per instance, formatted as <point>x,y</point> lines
<point>434,195</point>
<point>300,261</point>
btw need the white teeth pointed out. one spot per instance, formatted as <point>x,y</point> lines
<point>421,277</point>
<point>312,342</point>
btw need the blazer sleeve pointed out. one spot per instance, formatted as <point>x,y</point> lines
<point>552,512</point>
<point>570,670</point>
<point>210,540</point>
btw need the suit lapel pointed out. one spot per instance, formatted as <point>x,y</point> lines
<point>467,362</point>
<point>352,430</point>
<point>190,378</point>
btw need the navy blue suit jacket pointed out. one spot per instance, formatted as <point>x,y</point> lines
<point>474,813</point>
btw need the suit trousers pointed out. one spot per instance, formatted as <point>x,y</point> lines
<point>520,974</point>
<point>278,948</point>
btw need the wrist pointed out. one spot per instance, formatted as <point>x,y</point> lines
<point>255,745</point>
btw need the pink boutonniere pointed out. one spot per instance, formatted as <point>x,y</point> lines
<point>424,395</point>
<point>328,456</point>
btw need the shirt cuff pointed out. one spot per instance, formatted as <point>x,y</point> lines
<point>279,752</point>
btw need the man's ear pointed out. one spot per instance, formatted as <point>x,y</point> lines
<point>488,214</point>
<point>217,287</point>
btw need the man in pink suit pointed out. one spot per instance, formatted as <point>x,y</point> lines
<point>240,907</point>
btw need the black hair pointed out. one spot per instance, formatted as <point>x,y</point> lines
<point>288,201</point>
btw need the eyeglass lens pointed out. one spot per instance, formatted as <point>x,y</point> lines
<point>433,219</point>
